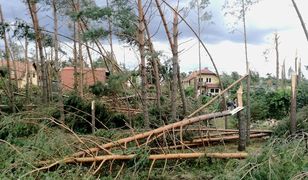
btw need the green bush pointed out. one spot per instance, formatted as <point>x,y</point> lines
<point>302,123</point>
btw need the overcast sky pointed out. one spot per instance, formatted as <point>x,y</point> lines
<point>227,49</point>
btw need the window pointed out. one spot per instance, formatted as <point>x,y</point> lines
<point>216,90</point>
<point>208,80</point>
<point>212,90</point>
<point>33,75</point>
<point>200,79</point>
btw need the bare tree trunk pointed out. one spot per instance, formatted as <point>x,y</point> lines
<point>176,60</point>
<point>75,60</point>
<point>13,59</point>
<point>293,104</point>
<point>154,61</point>
<point>142,65</point>
<point>80,56</point>
<point>57,61</point>
<point>33,12</point>
<point>300,18</point>
<point>248,78</point>
<point>38,66</point>
<point>28,74</point>
<point>199,46</point>
<point>7,57</point>
<point>277,59</point>
<point>91,62</point>
<point>110,39</point>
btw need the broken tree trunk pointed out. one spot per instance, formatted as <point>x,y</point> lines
<point>293,104</point>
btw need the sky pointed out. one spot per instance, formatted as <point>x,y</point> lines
<point>226,47</point>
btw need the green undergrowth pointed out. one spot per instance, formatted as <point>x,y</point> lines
<point>31,137</point>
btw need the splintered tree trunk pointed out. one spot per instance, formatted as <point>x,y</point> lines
<point>57,61</point>
<point>242,122</point>
<point>38,37</point>
<point>7,57</point>
<point>300,18</point>
<point>293,104</point>
<point>247,129</point>
<point>142,65</point>
<point>277,59</point>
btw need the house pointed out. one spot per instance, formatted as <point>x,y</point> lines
<point>20,68</point>
<point>67,77</point>
<point>207,81</point>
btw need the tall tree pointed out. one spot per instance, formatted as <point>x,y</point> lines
<point>57,61</point>
<point>38,37</point>
<point>141,42</point>
<point>175,65</point>
<point>8,65</point>
<point>238,8</point>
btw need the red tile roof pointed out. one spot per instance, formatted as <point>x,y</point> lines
<point>194,74</point>
<point>67,76</point>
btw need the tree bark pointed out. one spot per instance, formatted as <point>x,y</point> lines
<point>38,37</point>
<point>142,65</point>
<point>300,18</point>
<point>8,65</point>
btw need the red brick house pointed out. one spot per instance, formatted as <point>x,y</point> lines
<point>67,77</point>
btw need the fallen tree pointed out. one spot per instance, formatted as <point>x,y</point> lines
<point>157,131</point>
